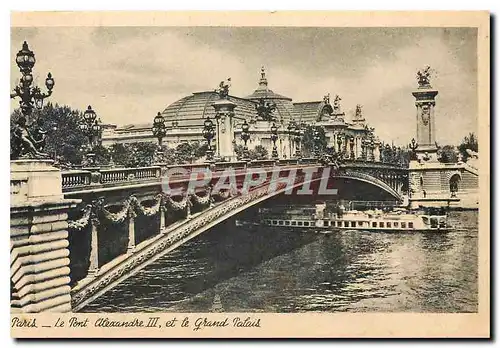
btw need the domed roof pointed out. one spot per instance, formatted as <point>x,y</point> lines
<point>191,111</point>
<point>284,105</point>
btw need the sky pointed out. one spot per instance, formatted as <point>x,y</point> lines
<point>128,74</point>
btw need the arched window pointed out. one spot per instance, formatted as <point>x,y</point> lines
<point>421,181</point>
<point>454,181</point>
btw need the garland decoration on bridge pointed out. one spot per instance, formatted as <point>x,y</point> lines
<point>179,205</point>
<point>202,200</point>
<point>81,222</point>
<point>119,216</point>
<point>149,211</point>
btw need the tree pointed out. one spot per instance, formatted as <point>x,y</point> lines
<point>139,154</point>
<point>238,150</point>
<point>447,154</point>
<point>121,154</point>
<point>142,154</point>
<point>258,153</point>
<point>185,153</point>
<point>200,150</point>
<point>102,154</point>
<point>308,140</point>
<point>468,143</point>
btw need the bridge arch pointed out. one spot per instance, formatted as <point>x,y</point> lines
<point>194,226</point>
<point>369,179</point>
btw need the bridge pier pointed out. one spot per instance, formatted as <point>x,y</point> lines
<point>39,238</point>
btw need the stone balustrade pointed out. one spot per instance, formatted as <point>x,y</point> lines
<point>127,174</point>
<point>97,176</point>
<point>76,178</point>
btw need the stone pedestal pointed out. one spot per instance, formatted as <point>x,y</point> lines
<point>39,238</point>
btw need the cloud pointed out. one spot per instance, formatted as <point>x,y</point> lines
<point>129,74</point>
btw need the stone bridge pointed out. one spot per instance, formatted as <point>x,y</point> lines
<point>117,221</point>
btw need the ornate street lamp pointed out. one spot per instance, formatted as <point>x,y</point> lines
<point>209,134</point>
<point>316,141</point>
<point>159,128</point>
<point>274,137</point>
<point>387,153</point>
<point>413,147</point>
<point>90,128</point>
<point>159,131</point>
<point>245,135</point>
<point>29,139</point>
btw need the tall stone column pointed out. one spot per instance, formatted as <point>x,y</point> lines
<point>40,274</point>
<point>425,102</point>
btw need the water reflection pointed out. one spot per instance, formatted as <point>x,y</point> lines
<point>278,270</point>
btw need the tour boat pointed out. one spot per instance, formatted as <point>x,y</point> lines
<point>398,220</point>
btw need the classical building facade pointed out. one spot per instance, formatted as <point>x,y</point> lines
<point>260,110</point>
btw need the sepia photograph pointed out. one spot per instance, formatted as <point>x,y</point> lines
<point>210,177</point>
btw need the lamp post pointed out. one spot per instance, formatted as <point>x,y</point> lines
<point>413,147</point>
<point>394,153</point>
<point>209,134</point>
<point>29,139</point>
<point>274,137</point>
<point>387,153</point>
<point>54,128</point>
<point>159,132</point>
<point>316,140</point>
<point>90,128</point>
<point>245,135</point>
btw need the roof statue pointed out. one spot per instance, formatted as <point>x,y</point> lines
<point>336,104</point>
<point>223,89</point>
<point>265,109</point>
<point>326,99</point>
<point>326,110</point>
<point>262,72</point>
<point>423,77</point>
<point>359,112</point>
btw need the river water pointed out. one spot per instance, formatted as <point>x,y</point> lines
<point>278,270</point>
